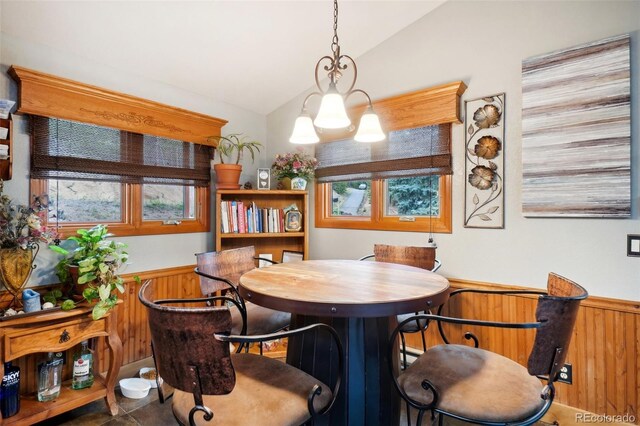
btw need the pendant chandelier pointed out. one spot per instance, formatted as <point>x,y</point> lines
<point>332,113</point>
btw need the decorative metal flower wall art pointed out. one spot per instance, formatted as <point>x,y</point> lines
<point>484,162</point>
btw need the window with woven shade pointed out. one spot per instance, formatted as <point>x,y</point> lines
<point>106,157</point>
<point>400,184</point>
<point>136,183</point>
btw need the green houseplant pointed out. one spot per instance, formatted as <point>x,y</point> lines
<point>93,264</point>
<point>230,148</point>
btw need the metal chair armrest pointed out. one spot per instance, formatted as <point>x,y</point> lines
<point>437,265</point>
<point>213,277</point>
<point>232,286</point>
<point>288,333</point>
<point>487,323</point>
<point>273,262</point>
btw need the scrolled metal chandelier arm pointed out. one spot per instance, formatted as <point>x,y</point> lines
<point>332,113</point>
<point>370,104</point>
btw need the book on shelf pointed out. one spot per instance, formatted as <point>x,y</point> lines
<point>238,217</point>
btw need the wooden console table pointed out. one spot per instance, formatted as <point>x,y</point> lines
<point>56,331</point>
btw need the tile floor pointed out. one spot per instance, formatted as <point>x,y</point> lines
<point>149,411</point>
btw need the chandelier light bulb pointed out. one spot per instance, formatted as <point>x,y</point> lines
<point>303,131</point>
<point>332,113</point>
<point>369,129</point>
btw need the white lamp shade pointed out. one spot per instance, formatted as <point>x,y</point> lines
<point>369,129</point>
<point>332,114</point>
<point>303,131</point>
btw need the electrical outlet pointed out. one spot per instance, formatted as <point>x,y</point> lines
<point>633,245</point>
<point>566,374</point>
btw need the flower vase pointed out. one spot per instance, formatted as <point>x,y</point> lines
<point>286,182</point>
<point>299,183</point>
<point>16,265</point>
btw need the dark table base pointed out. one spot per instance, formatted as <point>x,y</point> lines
<point>367,396</point>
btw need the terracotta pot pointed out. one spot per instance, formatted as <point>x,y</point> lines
<point>227,175</point>
<point>77,289</point>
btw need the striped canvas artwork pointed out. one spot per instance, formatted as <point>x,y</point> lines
<point>576,131</point>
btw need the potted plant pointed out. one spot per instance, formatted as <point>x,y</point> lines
<point>230,146</point>
<point>92,267</point>
<point>294,166</point>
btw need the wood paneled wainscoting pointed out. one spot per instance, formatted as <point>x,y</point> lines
<point>604,351</point>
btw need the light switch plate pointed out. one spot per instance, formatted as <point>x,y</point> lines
<point>633,245</point>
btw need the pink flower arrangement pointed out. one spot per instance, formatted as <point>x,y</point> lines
<point>22,226</point>
<point>294,164</point>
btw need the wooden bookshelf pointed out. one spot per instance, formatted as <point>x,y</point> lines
<point>6,165</point>
<point>265,242</point>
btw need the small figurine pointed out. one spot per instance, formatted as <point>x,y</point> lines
<point>248,185</point>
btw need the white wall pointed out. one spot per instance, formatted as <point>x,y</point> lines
<point>483,43</point>
<point>149,252</point>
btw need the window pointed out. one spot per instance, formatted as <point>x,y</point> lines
<point>402,204</point>
<point>401,184</point>
<point>138,184</point>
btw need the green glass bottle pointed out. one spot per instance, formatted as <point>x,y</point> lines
<point>82,367</point>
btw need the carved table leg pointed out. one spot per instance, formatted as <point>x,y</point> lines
<point>115,361</point>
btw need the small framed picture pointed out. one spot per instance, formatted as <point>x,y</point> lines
<point>264,178</point>
<point>293,221</point>
<point>291,256</point>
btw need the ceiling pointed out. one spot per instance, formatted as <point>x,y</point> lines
<point>253,54</point>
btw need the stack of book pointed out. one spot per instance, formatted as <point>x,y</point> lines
<point>238,217</point>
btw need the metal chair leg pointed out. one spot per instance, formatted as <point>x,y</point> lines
<point>424,340</point>
<point>419,420</point>
<point>404,351</point>
<point>408,413</point>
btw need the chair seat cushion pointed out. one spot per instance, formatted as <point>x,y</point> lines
<point>259,320</point>
<point>474,383</point>
<point>412,326</point>
<point>267,392</point>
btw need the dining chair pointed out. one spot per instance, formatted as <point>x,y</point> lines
<point>220,271</point>
<point>191,339</point>
<point>420,257</point>
<point>482,387</point>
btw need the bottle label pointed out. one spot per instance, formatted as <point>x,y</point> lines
<point>81,366</point>
<point>11,378</point>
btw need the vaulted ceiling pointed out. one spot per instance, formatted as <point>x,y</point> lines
<point>253,54</point>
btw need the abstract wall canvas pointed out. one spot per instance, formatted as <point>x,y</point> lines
<point>576,131</point>
<point>484,162</point>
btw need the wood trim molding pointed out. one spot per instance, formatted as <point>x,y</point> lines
<point>618,305</point>
<point>160,273</point>
<point>51,96</point>
<point>425,107</point>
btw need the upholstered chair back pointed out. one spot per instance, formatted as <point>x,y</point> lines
<point>229,264</point>
<point>557,311</point>
<point>186,352</point>
<point>420,257</point>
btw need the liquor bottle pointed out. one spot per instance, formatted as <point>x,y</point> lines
<point>50,377</point>
<point>82,367</point>
<point>10,391</point>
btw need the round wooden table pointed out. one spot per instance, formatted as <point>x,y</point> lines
<point>361,301</point>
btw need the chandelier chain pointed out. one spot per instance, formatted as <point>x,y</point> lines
<point>334,43</point>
